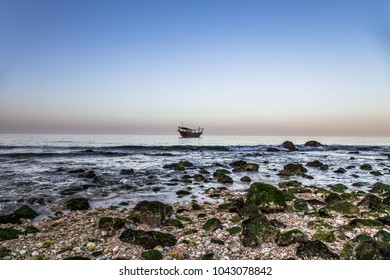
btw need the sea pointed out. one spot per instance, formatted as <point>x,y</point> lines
<point>44,171</point>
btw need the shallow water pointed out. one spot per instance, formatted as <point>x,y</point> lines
<point>36,169</point>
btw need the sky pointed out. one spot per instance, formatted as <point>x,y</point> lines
<point>233,67</point>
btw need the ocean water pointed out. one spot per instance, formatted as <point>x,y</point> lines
<point>46,170</point>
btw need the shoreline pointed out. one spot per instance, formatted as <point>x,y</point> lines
<point>309,219</point>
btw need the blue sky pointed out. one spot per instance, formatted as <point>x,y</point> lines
<point>233,67</point>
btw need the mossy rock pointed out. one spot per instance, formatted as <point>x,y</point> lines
<point>366,166</point>
<point>196,207</point>
<point>207,257</point>
<point>249,211</point>
<point>380,188</point>
<point>365,223</point>
<point>25,212</point>
<point>293,169</point>
<point>152,255</point>
<point>224,179</point>
<point>76,204</point>
<point>232,207</point>
<point>174,222</point>
<point>290,184</point>
<point>291,237</point>
<point>185,220</point>
<point>333,197</point>
<point>190,231</point>
<point>371,202</point>
<point>319,224</point>
<point>183,192</point>
<point>10,219</point>
<point>251,167</point>
<point>9,233</point>
<point>289,194</point>
<point>212,224</point>
<point>181,165</point>
<point>315,250</point>
<point>267,197</point>
<point>257,230</point>
<point>341,207</point>
<point>246,179</point>
<point>289,146</point>
<point>323,235</point>
<point>220,172</point>
<point>78,258</point>
<point>300,205</point>
<point>234,230</point>
<point>110,223</point>
<point>199,177</point>
<point>217,241</point>
<point>30,229</point>
<point>152,213</point>
<point>4,252</point>
<point>383,236</point>
<point>276,223</point>
<point>364,247</point>
<point>339,188</point>
<point>148,239</point>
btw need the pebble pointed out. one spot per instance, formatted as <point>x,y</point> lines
<point>91,246</point>
<point>116,249</point>
<point>35,253</point>
<point>22,252</point>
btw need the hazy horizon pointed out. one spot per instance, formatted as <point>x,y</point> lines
<point>286,68</point>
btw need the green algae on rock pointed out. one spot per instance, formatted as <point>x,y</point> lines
<point>291,237</point>
<point>267,197</point>
<point>152,255</point>
<point>148,239</point>
<point>257,230</point>
<point>110,223</point>
<point>315,250</point>
<point>9,233</point>
<point>212,224</point>
<point>152,213</point>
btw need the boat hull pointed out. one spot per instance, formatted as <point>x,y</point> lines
<point>186,134</point>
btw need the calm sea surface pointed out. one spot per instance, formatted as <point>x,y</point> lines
<point>46,170</point>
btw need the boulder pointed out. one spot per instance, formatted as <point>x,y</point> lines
<point>366,166</point>
<point>371,202</point>
<point>340,170</point>
<point>245,179</point>
<point>152,213</point>
<point>291,237</point>
<point>75,204</point>
<point>317,164</point>
<point>25,212</point>
<point>267,197</point>
<point>110,223</point>
<point>257,230</point>
<point>289,146</point>
<point>292,169</point>
<point>313,143</point>
<point>212,224</point>
<point>364,247</point>
<point>148,239</point>
<point>380,188</point>
<point>333,197</point>
<point>152,255</point>
<point>9,233</point>
<point>315,250</point>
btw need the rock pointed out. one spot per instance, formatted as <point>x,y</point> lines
<point>384,220</point>
<point>238,163</point>
<point>233,206</point>
<point>371,201</point>
<point>324,235</point>
<point>4,252</point>
<point>300,205</point>
<point>152,255</point>
<point>251,167</point>
<point>267,197</point>
<point>72,190</point>
<point>365,223</point>
<point>234,230</point>
<point>25,212</point>
<point>174,222</point>
<point>148,239</point>
<point>9,219</point>
<point>245,179</point>
<point>91,246</point>
<point>317,164</point>
<point>9,233</point>
<point>30,230</point>
<point>89,174</point>
<point>339,188</point>
<point>217,241</point>
<point>109,223</point>
<point>79,258</point>
<point>220,172</point>
<point>177,255</point>
<point>291,237</point>
<point>366,166</point>
<point>292,169</point>
<point>257,230</point>
<point>152,213</point>
<point>212,224</point>
<point>333,197</point>
<point>380,188</point>
<point>127,171</point>
<point>249,211</point>
<point>364,247</point>
<point>273,149</point>
<point>313,143</point>
<point>199,177</point>
<point>315,250</point>
<point>75,204</point>
<point>383,236</point>
<point>225,179</point>
<point>183,193</point>
<point>376,173</point>
<point>76,171</point>
<point>209,256</point>
<point>340,170</point>
<point>179,166</point>
<point>341,207</point>
<point>289,146</point>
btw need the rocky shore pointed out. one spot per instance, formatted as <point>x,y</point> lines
<point>288,221</point>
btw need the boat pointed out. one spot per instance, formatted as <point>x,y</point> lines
<point>186,132</point>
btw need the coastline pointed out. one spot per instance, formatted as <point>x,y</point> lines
<point>234,231</point>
